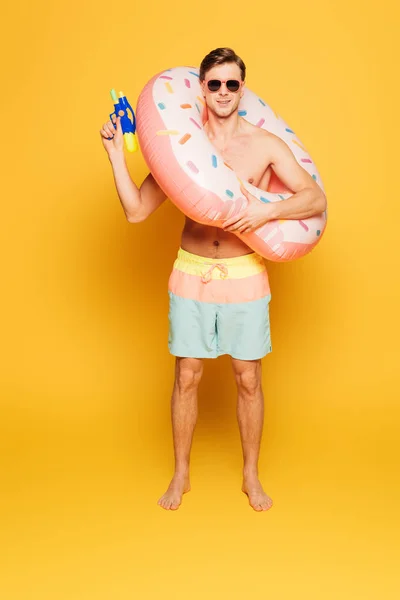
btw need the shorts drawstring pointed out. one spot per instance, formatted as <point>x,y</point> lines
<point>206,277</point>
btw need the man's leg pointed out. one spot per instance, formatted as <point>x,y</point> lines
<point>188,372</point>
<point>250,414</point>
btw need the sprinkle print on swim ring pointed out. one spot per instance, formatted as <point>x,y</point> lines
<point>170,118</point>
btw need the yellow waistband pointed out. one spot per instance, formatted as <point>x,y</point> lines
<point>237,267</point>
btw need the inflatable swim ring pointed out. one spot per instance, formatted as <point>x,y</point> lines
<point>170,117</point>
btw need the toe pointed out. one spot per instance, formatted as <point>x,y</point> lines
<point>256,505</point>
<point>175,502</point>
<point>267,504</point>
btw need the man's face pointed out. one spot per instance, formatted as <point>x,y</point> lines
<point>223,102</point>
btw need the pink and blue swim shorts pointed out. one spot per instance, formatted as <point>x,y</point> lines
<point>219,306</point>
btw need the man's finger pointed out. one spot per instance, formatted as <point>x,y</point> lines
<point>236,219</point>
<point>235,226</point>
<point>230,227</point>
<point>229,222</point>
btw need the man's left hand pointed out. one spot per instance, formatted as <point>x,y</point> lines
<point>256,214</point>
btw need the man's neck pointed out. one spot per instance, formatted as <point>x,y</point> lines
<point>222,130</point>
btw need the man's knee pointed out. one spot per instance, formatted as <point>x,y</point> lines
<point>248,378</point>
<point>188,373</point>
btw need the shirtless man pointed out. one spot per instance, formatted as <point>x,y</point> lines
<point>219,290</point>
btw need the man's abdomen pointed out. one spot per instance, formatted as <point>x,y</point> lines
<point>211,242</point>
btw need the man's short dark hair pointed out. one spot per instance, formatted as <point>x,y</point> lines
<point>219,56</point>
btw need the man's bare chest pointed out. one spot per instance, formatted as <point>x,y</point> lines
<point>246,162</point>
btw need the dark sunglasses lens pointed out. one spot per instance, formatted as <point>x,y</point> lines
<point>233,85</point>
<point>214,85</point>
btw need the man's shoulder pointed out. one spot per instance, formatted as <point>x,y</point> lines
<point>270,138</point>
<point>271,145</point>
<point>262,136</point>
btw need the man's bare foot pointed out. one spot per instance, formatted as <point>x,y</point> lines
<point>252,487</point>
<point>172,498</point>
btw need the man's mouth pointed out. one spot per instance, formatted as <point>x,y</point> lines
<point>223,102</point>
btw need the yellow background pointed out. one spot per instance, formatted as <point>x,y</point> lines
<point>86,375</point>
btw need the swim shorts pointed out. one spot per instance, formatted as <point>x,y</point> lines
<point>219,306</point>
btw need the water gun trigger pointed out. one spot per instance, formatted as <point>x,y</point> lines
<point>111,119</point>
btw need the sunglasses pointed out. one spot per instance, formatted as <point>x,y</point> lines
<point>232,85</point>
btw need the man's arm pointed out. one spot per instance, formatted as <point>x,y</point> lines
<point>308,198</point>
<point>137,203</point>
<point>307,201</point>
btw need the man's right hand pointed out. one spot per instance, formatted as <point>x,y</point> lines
<point>115,145</point>
<point>137,203</point>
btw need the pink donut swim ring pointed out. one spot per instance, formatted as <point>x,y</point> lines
<point>185,164</point>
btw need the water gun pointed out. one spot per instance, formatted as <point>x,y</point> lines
<point>128,123</point>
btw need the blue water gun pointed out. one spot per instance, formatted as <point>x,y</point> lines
<point>128,123</point>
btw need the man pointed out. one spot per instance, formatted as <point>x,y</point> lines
<point>219,290</point>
